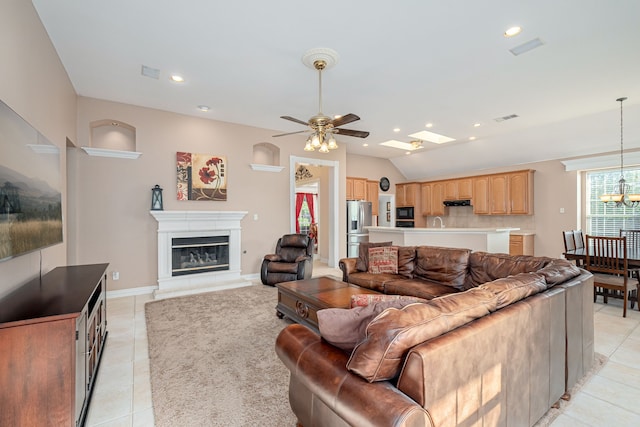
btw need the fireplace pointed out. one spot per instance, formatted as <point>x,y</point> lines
<point>195,255</point>
<point>198,251</point>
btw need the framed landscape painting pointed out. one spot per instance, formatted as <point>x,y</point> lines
<point>201,176</point>
<point>30,188</point>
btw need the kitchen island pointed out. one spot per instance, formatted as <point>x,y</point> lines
<point>494,240</point>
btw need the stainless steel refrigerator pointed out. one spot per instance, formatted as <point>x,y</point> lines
<point>358,217</point>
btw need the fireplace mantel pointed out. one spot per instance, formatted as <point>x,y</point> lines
<point>183,224</point>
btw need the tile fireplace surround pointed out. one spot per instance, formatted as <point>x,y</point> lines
<point>181,224</point>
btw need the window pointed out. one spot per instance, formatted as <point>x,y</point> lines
<point>605,219</point>
<point>305,218</point>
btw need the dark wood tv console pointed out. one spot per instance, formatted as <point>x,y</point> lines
<point>52,333</point>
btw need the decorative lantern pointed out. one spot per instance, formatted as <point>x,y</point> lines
<point>156,198</point>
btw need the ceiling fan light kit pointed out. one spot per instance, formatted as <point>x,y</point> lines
<point>322,127</point>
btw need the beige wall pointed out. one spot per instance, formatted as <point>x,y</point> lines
<point>35,85</point>
<point>112,220</point>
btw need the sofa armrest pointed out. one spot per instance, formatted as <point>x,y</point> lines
<point>318,372</point>
<point>348,266</point>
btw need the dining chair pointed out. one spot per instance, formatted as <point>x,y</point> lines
<point>578,239</point>
<point>633,245</point>
<point>569,242</point>
<point>607,260</point>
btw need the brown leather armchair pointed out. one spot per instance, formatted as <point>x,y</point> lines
<point>293,260</point>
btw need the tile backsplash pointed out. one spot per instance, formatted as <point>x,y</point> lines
<point>463,217</point>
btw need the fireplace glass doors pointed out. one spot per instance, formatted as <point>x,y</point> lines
<point>193,255</point>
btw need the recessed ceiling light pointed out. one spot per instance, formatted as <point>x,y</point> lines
<point>472,138</point>
<point>432,137</point>
<point>177,78</point>
<point>396,130</point>
<point>429,125</point>
<point>475,125</point>
<point>407,153</point>
<point>203,107</point>
<point>513,31</point>
<point>365,145</point>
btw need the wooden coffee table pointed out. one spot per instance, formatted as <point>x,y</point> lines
<point>300,300</point>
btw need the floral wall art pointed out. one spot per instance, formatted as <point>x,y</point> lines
<point>201,176</point>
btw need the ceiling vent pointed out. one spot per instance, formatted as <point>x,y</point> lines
<point>526,47</point>
<point>154,73</point>
<point>503,118</point>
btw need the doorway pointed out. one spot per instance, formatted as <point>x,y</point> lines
<point>326,224</point>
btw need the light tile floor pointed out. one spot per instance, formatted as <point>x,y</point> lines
<point>122,394</point>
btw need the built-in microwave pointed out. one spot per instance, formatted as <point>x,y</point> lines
<point>404,212</point>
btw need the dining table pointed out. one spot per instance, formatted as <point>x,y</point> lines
<point>580,256</point>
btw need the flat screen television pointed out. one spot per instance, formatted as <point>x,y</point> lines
<point>30,188</point>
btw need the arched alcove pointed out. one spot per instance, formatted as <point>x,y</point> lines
<point>112,138</point>
<point>266,157</point>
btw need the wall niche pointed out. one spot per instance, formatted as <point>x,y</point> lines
<point>266,157</point>
<point>112,138</point>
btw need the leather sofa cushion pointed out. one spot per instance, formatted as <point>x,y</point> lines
<point>485,267</point>
<point>417,287</point>
<point>406,260</point>
<point>371,281</point>
<point>393,332</point>
<point>511,289</point>
<point>345,328</point>
<point>559,271</point>
<point>283,267</point>
<point>362,264</point>
<point>447,266</point>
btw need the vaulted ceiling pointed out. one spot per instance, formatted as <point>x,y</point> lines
<point>402,65</point>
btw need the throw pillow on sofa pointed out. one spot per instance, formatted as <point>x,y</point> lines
<point>363,300</point>
<point>362,263</point>
<point>344,328</point>
<point>383,259</point>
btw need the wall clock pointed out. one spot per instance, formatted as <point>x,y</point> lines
<point>384,183</point>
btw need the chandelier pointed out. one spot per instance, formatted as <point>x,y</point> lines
<point>620,195</point>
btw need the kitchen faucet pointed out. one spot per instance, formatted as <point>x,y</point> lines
<point>441,223</point>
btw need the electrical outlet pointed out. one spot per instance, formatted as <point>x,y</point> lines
<point>561,210</point>
<point>115,275</point>
<point>255,217</point>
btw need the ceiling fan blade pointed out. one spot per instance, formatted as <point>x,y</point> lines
<point>350,132</point>
<point>293,119</point>
<point>343,120</point>
<point>290,133</point>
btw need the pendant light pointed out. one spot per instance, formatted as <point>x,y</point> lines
<point>620,195</point>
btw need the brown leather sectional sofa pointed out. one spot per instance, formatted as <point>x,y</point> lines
<point>500,341</point>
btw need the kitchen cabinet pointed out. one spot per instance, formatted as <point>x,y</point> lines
<point>425,196</point>
<point>406,194</point>
<point>512,193</point>
<point>458,189</point>
<point>53,330</point>
<point>356,188</point>
<point>372,196</point>
<point>480,198</point>
<point>521,244</point>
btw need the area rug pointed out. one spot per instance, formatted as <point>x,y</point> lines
<point>213,363</point>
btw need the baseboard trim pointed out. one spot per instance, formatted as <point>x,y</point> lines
<point>130,292</point>
<point>143,290</point>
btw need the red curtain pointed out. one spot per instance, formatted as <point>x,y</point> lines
<point>299,200</point>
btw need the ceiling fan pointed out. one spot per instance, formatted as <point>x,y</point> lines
<point>323,128</point>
